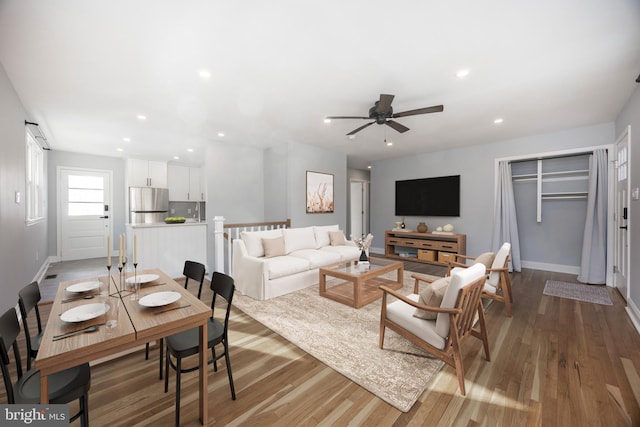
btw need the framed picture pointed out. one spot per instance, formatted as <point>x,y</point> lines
<point>319,192</point>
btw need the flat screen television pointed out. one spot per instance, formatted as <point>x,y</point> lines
<point>439,196</point>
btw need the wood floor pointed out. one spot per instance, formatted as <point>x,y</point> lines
<point>556,362</point>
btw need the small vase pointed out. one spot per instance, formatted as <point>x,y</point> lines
<point>422,227</point>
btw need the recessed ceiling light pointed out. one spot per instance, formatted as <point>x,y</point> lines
<point>368,166</point>
<point>190,150</point>
<point>126,139</point>
<point>498,120</point>
<point>461,74</point>
<point>176,158</point>
<point>205,74</point>
<point>119,149</point>
<point>352,137</point>
<point>141,117</point>
<point>220,134</point>
<point>389,143</point>
<point>327,120</point>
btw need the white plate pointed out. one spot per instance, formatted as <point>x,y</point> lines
<point>158,299</point>
<point>84,312</point>
<point>143,278</point>
<point>83,287</point>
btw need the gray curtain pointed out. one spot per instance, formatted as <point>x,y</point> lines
<point>593,267</point>
<point>505,224</point>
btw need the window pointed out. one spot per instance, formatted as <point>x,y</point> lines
<point>86,195</point>
<point>35,180</point>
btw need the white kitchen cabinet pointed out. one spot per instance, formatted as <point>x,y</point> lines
<point>146,173</point>
<point>185,184</point>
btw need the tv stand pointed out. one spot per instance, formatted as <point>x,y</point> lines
<point>430,248</point>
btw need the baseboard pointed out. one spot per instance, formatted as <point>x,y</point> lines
<point>634,314</point>
<point>557,268</point>
<point>43,271</point>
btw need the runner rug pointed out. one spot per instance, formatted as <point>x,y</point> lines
<point>587,293</point>
<point>346,339</point>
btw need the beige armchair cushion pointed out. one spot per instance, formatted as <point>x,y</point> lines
<point>432,296</point>
<point>485,258</point>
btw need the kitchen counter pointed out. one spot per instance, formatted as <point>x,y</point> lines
<point>168,246</point>
<point>162,224</point>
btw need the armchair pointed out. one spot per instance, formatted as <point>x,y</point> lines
<point>460,308</point>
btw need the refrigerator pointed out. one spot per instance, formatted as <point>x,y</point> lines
<point>148,205</point>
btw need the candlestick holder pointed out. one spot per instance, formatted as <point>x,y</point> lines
<point>135,284</point>
<point>109,279</point>
<point>123,291</point>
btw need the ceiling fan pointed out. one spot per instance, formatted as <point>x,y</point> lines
<point>382,112</point>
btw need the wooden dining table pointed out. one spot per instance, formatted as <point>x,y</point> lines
<point>137,325</point>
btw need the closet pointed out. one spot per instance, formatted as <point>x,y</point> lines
<point>550,196</point>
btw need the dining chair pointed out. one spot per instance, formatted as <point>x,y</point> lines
<point>455,319</point>
<point>187,343</point>
<point>28,299</point>
<point>64,387</point>
<point>191,270</point>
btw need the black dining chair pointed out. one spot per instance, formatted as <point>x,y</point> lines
<point>64,387</point>
<point>187,343</point>
<point>194,271</point>
<point>28,299</point>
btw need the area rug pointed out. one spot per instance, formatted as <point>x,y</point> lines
<point>576,291</point>
<point>346,339</point>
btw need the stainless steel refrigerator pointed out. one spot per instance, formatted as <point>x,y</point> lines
<point>148,205</point>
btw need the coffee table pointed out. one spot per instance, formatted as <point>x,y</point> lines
<point>359,283</point>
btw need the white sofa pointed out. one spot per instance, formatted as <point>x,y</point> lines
<point>305,251</point>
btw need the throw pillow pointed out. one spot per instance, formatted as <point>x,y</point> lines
<point>432,296</point>
<point>485,258</point>
<point>273,247</point>
<point>337,238</point>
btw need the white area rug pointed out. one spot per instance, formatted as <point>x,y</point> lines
<point>587,293</point>
<point>346,339</point>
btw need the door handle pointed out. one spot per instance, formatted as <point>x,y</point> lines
<point>623,227</point>
<point>105,217</point>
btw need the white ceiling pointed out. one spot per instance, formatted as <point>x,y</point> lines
<point>85,69</point>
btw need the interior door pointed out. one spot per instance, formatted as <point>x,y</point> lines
<point>84,214</point>
<point>621,215</point>
<point>359,208</point>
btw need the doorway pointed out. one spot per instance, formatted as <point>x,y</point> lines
<point>621,215</point>
<point>359,208</point>
<point>84,219</point>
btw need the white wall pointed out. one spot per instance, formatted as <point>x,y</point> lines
<point>23,248</point>
<point>475,165</point>
<point>630,115</point>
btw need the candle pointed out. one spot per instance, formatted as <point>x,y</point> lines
<point>135,249</point>
<point>109,251</point>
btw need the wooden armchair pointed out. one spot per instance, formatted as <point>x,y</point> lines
<point>498,284</point>
<point>460,308</point>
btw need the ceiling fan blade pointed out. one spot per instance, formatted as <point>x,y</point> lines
<point>353,132</point>
<point>347,117</point>
<point>384,104</point>
<point>434,109</point>
<point>397,126</point>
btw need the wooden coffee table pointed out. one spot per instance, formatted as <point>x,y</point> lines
<point>359,283</point>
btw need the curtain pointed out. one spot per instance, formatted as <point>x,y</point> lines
<point>505,224</point>
<point>593,267</point>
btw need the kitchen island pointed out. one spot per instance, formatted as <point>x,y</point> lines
<point>168,246</point>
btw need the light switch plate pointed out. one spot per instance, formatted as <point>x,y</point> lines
<point>635,194</point>
<point>17,197</point>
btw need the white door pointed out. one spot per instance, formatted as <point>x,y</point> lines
<point>359,212</point>
<point>84,214</point>
<point>621,215</point>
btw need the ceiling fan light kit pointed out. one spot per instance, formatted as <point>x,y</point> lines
<point>382,113</point>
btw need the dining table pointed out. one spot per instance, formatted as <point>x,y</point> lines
<point>137,323</point>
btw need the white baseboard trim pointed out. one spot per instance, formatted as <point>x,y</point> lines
<point>634,314</point>
<point>43,271</point>
<point>557,268</point>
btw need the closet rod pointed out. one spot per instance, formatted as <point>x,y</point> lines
<point>561,156</point>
